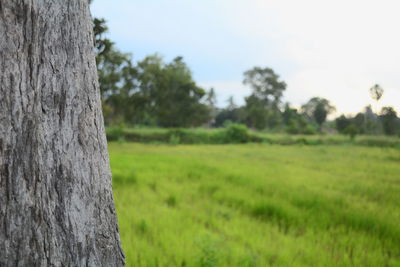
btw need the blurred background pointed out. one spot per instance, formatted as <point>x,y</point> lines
<point>333,51</point>
<point>253,133</point>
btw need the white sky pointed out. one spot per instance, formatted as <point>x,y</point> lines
<point>333,49</point>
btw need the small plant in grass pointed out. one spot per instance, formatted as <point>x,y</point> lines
<point>122,178</point>
<point>249,261</point>
<point>142,227</point>
<point>153,186</point>
<point>171,201</point>
<point>208,256</point>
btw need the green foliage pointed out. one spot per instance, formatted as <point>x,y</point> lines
<point>229,114</point>
<point>156,93</point>
<point>173,98</point>
<point>115,133</point>
<point>342,123</point>
<point>208,256</point>
<point>368,123</point>
<point>174,139</point>
<point>309,130</point>
<point>389,120</point>
<point>142,227</point>
<point>352,131</point>
<point>296,123</point>
<point>258,205</point>
<point>151,92</point>
<point>236,133</point>
<point>117,78</point>
<point>171,201</point>
<point>318,109</point>
<point>266,85</point>
<point>262,106</point>
<point>256,113</point>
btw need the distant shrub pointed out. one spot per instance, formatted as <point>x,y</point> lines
<point>218,137</point>
<point>292,129</point>
<point>236,133</point>
<point>302,141</point>
<point>174,139</point>
<point>115,133</point>
<point>296,129</point>
<point>351,131</point>
<point>309,130</point>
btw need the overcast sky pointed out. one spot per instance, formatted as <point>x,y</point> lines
<point>335,49</point>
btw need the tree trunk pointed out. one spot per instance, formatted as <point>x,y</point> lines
<point>56,202</point>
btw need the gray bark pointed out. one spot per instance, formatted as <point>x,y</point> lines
<point>56,202</point>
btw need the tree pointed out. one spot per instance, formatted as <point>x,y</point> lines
<point>118,80</point>
<point>376,92</point>
<point>211,98</point>
<point>318,109</point>
<point>230,114</point>
<point>256,112</point>
<point>172,97</point>
<point>296,123</point>
<point>55,184</point>
<point>389,120</point>
<point>266,85</point>
<point>352,131</point>
<point>231,103</point>
<point>342,123</point>
<point>359,122</point>
<point>262,106</point>
<point>211,101</point>
<point>372,122</point>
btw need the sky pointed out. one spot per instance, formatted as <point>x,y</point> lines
<point>332,49</point>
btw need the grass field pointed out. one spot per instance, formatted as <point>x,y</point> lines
<point>257,205</point>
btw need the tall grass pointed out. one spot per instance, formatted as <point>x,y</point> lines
<point>257,205</point>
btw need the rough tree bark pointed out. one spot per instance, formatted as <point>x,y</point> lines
<point>56,203</point>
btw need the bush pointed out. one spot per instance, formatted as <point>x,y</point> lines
<point>351,130</point>
<point>295,129</point>
<point>174,139</point>
<point>236,133</point>
<point>115,133</point>
<point>292,129</point>
<point>309,130</point>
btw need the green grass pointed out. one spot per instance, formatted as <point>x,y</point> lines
<point>257,205</point>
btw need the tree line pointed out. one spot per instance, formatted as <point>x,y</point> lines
<point>156,93</point>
